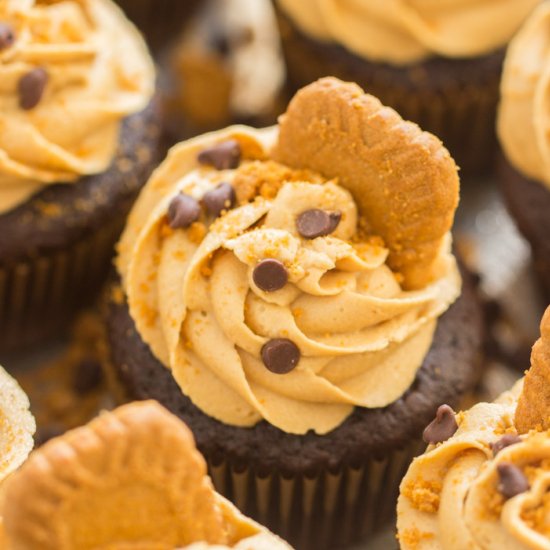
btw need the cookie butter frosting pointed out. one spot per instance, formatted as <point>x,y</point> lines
<point>450,497</point>
<point>95,70</point>
<point>193,295</point>
<point>405,31</point>
<point>524,112</point>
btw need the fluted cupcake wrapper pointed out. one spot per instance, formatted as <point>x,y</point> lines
<point>454,99</point>
<point>39,295</point>
<point>330,510</point>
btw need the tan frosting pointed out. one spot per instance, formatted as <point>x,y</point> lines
<point>524,113</point>
<point>99,72</point>
<point>405,31</point>
<point>449,498</point>
<point>362,338</point>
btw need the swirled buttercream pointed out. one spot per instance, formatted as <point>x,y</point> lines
<point>98,72</point>
<point>524,112</point>
<point>405,31</point>
<point>450,498</point>
<point>192,294</point>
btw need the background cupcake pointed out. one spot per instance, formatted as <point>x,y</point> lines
<point>79,136</point>
<point>300,320</point>
<point>483,482</point>
<point>436,63</point>
<point>524,174</point>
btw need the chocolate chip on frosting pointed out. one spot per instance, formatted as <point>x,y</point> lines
<point>31,88</point>
<point>442,427</point>
<point>505,441</point>
<point>183,211</point>
<point>317,223</point>
<point>222,156</point>
<point>512,481</point>
<point>7,36</point>
<point>219,199</point>
<point>280,355</point>
<point>270,275</point>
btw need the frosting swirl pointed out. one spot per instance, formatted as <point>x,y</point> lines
<point>98,71</point>
<point>450,497</point>
<point>194,300</point>
<point>524,113</point>
<point>405,31</point>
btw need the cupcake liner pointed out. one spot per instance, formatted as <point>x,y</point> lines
<point>39,295</point>
<point>330,510</point>
<point>160,20</point>
<point>454,99</point>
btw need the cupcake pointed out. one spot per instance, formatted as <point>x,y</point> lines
<point>159,20</point>
<point>483,482</point>
<point>131,478</point>
<point>17,427</point>
<point>290,293</point>
<point>78,139</point>
<point>436,63</point>
<point>524,172</point>
<point>227,67</point>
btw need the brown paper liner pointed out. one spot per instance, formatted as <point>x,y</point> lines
<point>331,510</point>
<point>40,295</point>
<point>159,20</point>
<point>454,99</point>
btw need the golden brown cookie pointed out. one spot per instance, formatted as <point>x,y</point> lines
<point>404,181</point>
<point>533,410</point>
<point>131,478</point>
<point>17,425</point>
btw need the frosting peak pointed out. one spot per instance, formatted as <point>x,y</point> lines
<point>95,70</point>
<point>405,31</point>
<point>194,297</point>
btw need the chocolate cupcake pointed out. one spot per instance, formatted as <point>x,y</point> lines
<point>483,482</point>
<point>290,293</point>
<point>79,138</point>
<point>159,20</point>
<point>524,171</point>
<point>437,64</point>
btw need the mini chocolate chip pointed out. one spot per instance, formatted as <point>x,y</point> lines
<point>219,199</point>
<point>442,427</point>
<point>183,211</point>
<point>505,441</point>
<point>280,355</point>
<point>512,480</point>
<point>31,88</point>
<point>270,275</point>
<point>7,36</point>
<point>317,223</point>
<point>88,376</point>
<point>222,156</point>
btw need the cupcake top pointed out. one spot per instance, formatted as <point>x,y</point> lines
<point>131,478</point>
<point>405,31</point>
<point>523,112</point>
<point>17,425</point>
<point>276,275</point>
<point>484,480</point>
<point>70,71</point>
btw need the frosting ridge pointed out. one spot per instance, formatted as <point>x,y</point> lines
<point>96,71</point>
<point>404,31</point>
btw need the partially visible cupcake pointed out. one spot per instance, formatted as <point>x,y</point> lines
<point>226,68</point>
<point>484,480</point>
<point>159,20</point>
<point>524,172</point>
<point>437,63</point>
<point>131,478</point>
<point>78,140</point>
<point>291,294</point>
